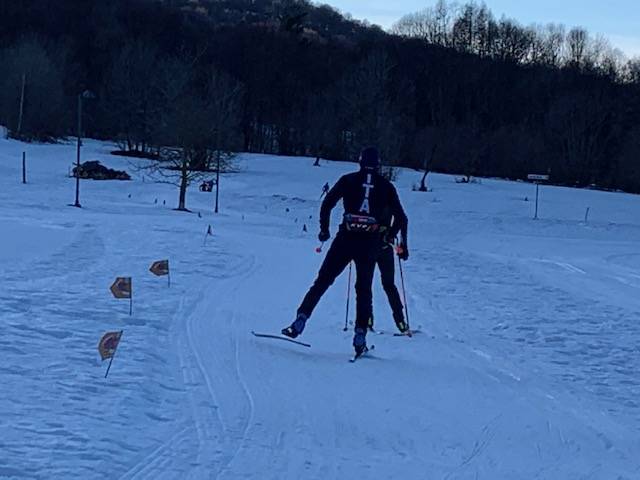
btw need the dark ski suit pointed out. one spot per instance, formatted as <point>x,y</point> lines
<point>366,196</point>
<point>385,261</point>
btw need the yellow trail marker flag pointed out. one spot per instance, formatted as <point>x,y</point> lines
<point>161,268</point>
<point>122,288</point>
<point>107,347</point>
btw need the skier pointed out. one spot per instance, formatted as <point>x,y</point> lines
<point>386,265</point>
<point>365,195</point>
<point>325,190</point>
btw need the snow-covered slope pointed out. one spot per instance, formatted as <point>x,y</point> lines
<point>527,366</point>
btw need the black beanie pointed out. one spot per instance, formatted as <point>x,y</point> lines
<point>369,158</point>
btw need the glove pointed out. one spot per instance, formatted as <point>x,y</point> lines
<point>388,239</point>
<point>403,252</point>
<point>324,235</point>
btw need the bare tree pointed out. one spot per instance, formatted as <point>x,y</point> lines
<point>433,24</point>
<point>376,108</point>
<point>463,31</point>
<point>132,102</point>
<point>363,93</point>
<point>199,126</point>
<point>632,71</point>
<point>35,71</point>
<point>427,162</point>
<point>547,45</point>
<point>584,130</point>
<point>513,42</point>
<point>577,44</point>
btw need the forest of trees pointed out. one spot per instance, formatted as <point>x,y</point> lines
<point>493,97</point>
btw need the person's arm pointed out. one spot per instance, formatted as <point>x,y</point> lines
<point>330,201</point>
<point>400,220</point>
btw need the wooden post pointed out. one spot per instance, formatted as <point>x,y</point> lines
<point>77,202</point>
<point>24,167</point>
<point>535,217</point>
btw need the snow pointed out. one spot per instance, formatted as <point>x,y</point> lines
<point>526,367</point>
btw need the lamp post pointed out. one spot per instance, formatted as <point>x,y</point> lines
<point>84,95</point>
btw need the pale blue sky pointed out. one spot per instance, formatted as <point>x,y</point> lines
<point>618,20</point>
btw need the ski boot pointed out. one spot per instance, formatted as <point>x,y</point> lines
<point>401,325</point>
<point>297,327</point>
<point>360,341</point>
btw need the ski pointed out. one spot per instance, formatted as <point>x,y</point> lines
<point>280,337</point>
<point>356,357</point>
<point>411,333</point>
<point>408,333</point>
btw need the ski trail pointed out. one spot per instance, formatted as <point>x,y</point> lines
<point>206,435</point>
<point>156,461</point>
<point>481,444</point>
<point>242,441</point>
<point>154,464</point>
<point>220,442</point>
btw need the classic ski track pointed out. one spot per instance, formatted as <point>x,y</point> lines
<point>155,460</point>
<point>207,382</point>
<point>150,461</point>
<point>247,392</point>
<point>226,432</point>
<point>154,463</point>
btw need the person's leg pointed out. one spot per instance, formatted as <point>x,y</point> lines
<point>387,275</point>
<point>334,263</point>
<point>338,257</point>
<point>379,253</point>
<point>365,251</point>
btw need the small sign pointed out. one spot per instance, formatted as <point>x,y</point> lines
<point>121,288</point>
<point>109,344</point>
<point>541,178</point>
<point>107,347</point>
<point>160,268</point>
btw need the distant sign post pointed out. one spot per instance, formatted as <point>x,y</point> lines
<point>122,288</point>
<point>537,179</point>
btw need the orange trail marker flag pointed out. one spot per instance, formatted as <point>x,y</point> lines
<point>107,347</point>
<point>122,288</point>
<point>161,268</point>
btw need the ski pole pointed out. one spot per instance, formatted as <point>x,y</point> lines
<point>346,317</point>
<point>319,249</point>
<point>404,294</point>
